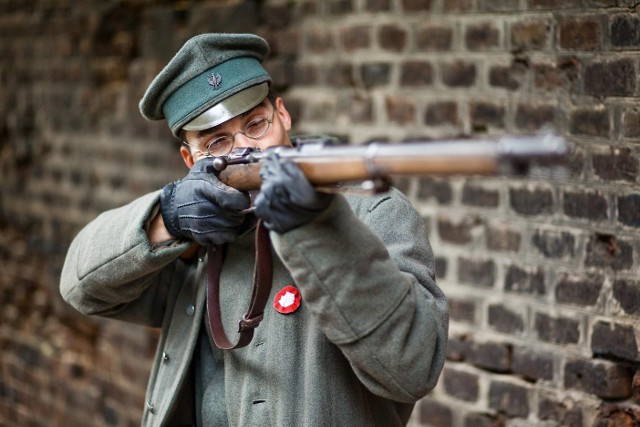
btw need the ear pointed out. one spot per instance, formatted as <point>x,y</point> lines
<point>284,115</point>
<point>187,157</point>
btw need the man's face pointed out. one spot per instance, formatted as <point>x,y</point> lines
<point>233,133</point>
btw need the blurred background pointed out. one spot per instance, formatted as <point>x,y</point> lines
<point>542,275</point>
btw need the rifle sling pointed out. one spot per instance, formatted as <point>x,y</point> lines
<point>262,276</point>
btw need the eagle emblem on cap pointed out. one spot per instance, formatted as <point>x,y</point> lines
<point>214,80</point>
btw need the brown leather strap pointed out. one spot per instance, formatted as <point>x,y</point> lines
<point>262,276</point>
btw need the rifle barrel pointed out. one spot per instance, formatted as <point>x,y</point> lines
<point>329,165</point>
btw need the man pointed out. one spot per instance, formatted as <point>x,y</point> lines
<point>355,330</point>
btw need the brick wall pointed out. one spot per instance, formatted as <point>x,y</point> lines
<point>542,275</point>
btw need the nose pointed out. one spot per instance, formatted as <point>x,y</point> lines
<point>243,141</point>
<point>240,140</point>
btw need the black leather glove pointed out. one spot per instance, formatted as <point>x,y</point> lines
<point>201,208</point>
<point>287,200</point>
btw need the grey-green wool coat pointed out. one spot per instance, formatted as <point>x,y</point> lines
<point>367,342</point>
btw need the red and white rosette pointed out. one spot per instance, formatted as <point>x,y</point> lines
<point>287,300</point>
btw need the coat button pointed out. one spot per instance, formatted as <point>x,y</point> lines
<point>165,356</point>
<point>191,309</point>
<point>150,407</point>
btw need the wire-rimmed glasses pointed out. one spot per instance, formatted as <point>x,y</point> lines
<point>221,145</point>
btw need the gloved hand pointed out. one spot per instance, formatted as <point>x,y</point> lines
<point>287,200</point>
<point>201,208</point>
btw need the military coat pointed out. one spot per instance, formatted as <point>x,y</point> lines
<point>367,341</point>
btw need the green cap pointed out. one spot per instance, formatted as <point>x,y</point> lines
<point>212,78</point>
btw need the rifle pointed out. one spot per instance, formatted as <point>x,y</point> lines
<point>327,164</point>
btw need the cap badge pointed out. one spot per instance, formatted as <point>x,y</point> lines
<point>215,80</point>
<point>287,300</point>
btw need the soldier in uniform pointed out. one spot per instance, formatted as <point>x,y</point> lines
<point>355,328</point>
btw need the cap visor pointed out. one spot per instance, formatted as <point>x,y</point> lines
<point>230,107</point>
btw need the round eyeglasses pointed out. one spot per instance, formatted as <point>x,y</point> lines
<point>221,145</point>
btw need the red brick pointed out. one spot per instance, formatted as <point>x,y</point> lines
<point>475,195</point>
<point>416,73</point>
<point>631,123</point>
<point>579,34</point>
<point>555,245</point>
<point>458,74</point>
<point>615,340</point>
<point>510,399</point>
<point>434,413</point>
<point>456,232</point>
<point>442,113</point>
<point>438,189</point>
<point>400,110</point>
<point>533,118</point>
<point>594,122</point>
<point>461,385</point>
<point>563,75</point>
<point>477,272</point>
<point>509,77</point>
<point>579,290</point>
<point>378,5</point>
<point>533,364</point>
<point>601,378</point>
<point>531,34</point>
<point>319,39</point>
<point>564,411</point>
<point>531,201</point>
<point>357,37</point>
<point>617,415</point>
<point>589,205</point>
<point>625,30</point>
<point>503,239</point>
<point>627,294</point>
<point>392,37</point>
<point>613,78</point>
<point>416,5</point>
<point>617,165</point>
<point>502,319</point>
<point>485,115</point>
<point>608,251</point>
<point>482,36</point>
<point>554,4</point>
<point>458,5</point>
<point>557,330</point>
<point>492,356</point>
<point>524,280</point>
<point>430,37</point>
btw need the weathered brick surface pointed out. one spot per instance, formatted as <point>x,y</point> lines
<point>582,33</point>
<point>533,364</point>
<point>503,319</point>
<point>541,273</point>
<point>512,399</point>
<point>583,291</point>
<point>615,341</point>
<point>477,272</point>
<point>525,280</point>
<point>555,245</point>
<point>461,385</point>
<point>604,379</point>
<point>563,411</point>
<point>462,310</point>
<point>459,74</point>
<point>525,201</point>
<point>627,294</point>
<point>607,251</point>
<point>557,330</point>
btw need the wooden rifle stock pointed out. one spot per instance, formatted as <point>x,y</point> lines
<point>328,165</point>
